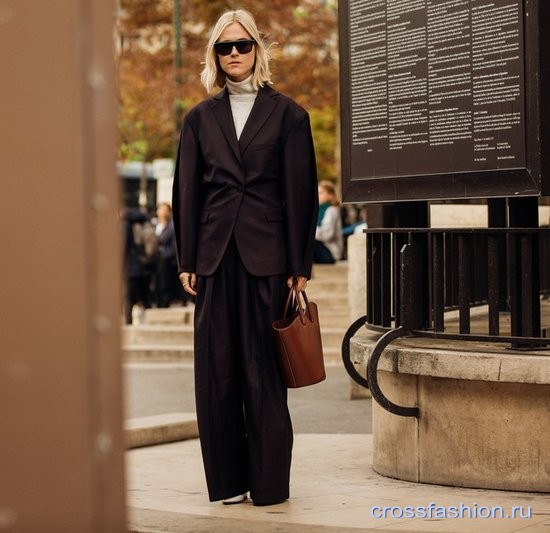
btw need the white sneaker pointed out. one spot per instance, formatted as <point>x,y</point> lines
<point>235,499</point>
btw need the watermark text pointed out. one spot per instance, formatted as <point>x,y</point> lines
<point>432,510</point>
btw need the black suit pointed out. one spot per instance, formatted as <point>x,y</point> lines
<point>245,213</point>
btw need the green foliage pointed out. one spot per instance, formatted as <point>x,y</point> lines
<point>324,127</point>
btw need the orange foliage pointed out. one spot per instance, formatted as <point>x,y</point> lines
<point>304,65</point>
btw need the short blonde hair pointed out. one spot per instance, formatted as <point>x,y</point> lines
<point>212,74</point>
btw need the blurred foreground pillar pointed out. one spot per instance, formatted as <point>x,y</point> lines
<point>61,439</point>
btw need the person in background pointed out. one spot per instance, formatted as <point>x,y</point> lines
<point>362,223</point>
<point>137,270</point>
<point>329,242</point>
<point>245,207</point>
<point>167,286</point>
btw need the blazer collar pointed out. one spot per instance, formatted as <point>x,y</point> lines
<point>261,110</point>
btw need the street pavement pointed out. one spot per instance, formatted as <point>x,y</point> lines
<point>333,485</point>
<point>162,388</point>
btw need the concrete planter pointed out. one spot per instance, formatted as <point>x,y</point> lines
<point>484,415</point>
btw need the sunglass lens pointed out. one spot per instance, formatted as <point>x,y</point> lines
<point>244,47</point>
<point>225,48</point>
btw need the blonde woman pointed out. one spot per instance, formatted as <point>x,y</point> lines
<point>245,209</point>
<point>329,241</point>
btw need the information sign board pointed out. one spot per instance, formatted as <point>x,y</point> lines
<point>440,99</point>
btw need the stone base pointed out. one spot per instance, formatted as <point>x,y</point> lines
<point>484,416</point>
<point>358,392</point>
<point>470,433</point>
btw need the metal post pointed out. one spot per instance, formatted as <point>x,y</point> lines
<point>525,319</point>
<point>496,208</point>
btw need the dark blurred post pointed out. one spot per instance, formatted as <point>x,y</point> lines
<point>61,419</point>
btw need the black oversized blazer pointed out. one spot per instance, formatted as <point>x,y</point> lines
<point>261,188</point>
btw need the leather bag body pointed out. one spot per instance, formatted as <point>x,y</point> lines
<point>298,341</point>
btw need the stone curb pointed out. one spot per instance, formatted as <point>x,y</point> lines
<point>160,429</point>
<point>456,360</point>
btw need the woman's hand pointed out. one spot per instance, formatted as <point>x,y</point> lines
<point>301,282</point>
<point>189,282</point>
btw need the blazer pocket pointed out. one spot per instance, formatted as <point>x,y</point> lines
<point>203,217</point>
<point>274,214</point>
<point>257,147</point>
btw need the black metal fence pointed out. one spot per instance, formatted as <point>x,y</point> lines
<point>415,275</point>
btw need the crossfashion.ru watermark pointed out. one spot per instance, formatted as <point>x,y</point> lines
<point>451,511</point>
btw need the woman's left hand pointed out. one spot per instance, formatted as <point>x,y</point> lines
<point>301,282</point>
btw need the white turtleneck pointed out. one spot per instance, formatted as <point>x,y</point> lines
<point>241,95</point>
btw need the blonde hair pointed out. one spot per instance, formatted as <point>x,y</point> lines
<point>212,74</point>
<point>329,187</point>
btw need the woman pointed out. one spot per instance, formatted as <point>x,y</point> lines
<point>329,241</point>
<point>245,207</point>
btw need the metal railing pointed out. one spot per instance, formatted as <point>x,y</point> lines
<point>414,276</point>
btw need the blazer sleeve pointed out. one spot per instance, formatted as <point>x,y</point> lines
<point>301,196</point>
<point>186,200</point>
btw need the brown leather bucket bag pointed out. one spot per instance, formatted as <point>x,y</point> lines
<point>298,340</point>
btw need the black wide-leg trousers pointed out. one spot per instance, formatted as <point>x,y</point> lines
<point>244,424</point>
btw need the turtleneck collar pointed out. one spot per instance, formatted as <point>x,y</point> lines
<point>240,87</point>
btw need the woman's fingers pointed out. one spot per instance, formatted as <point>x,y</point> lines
<point>189,282</point>
<point>300,281</point>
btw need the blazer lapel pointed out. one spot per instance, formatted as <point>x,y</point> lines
<point>262,109</point>
<point>221,108</point>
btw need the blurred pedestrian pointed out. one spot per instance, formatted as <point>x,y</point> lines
<point>245,206</point>
<point>329,241</point>
<point>168,288</point>
<point>139,259</point>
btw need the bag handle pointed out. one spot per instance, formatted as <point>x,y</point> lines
<point>295,296</point>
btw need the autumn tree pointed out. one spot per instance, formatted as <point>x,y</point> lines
<point>153,96</point>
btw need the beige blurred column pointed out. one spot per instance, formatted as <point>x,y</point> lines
<point>61,445</point>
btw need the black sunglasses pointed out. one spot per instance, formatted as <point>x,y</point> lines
<point>226,47</point>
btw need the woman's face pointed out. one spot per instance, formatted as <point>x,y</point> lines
<point>324,195</point>
<point>163,213</point>
<point>237,66</point>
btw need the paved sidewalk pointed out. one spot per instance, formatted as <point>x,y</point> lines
<point>154,389</point>
<point>333,488</point>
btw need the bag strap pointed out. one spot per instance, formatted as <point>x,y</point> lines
<point>290,296</point>
<point>295,296</point>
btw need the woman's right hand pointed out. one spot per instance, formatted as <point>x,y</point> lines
<point>189,282</point>
<point>299,281</point>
